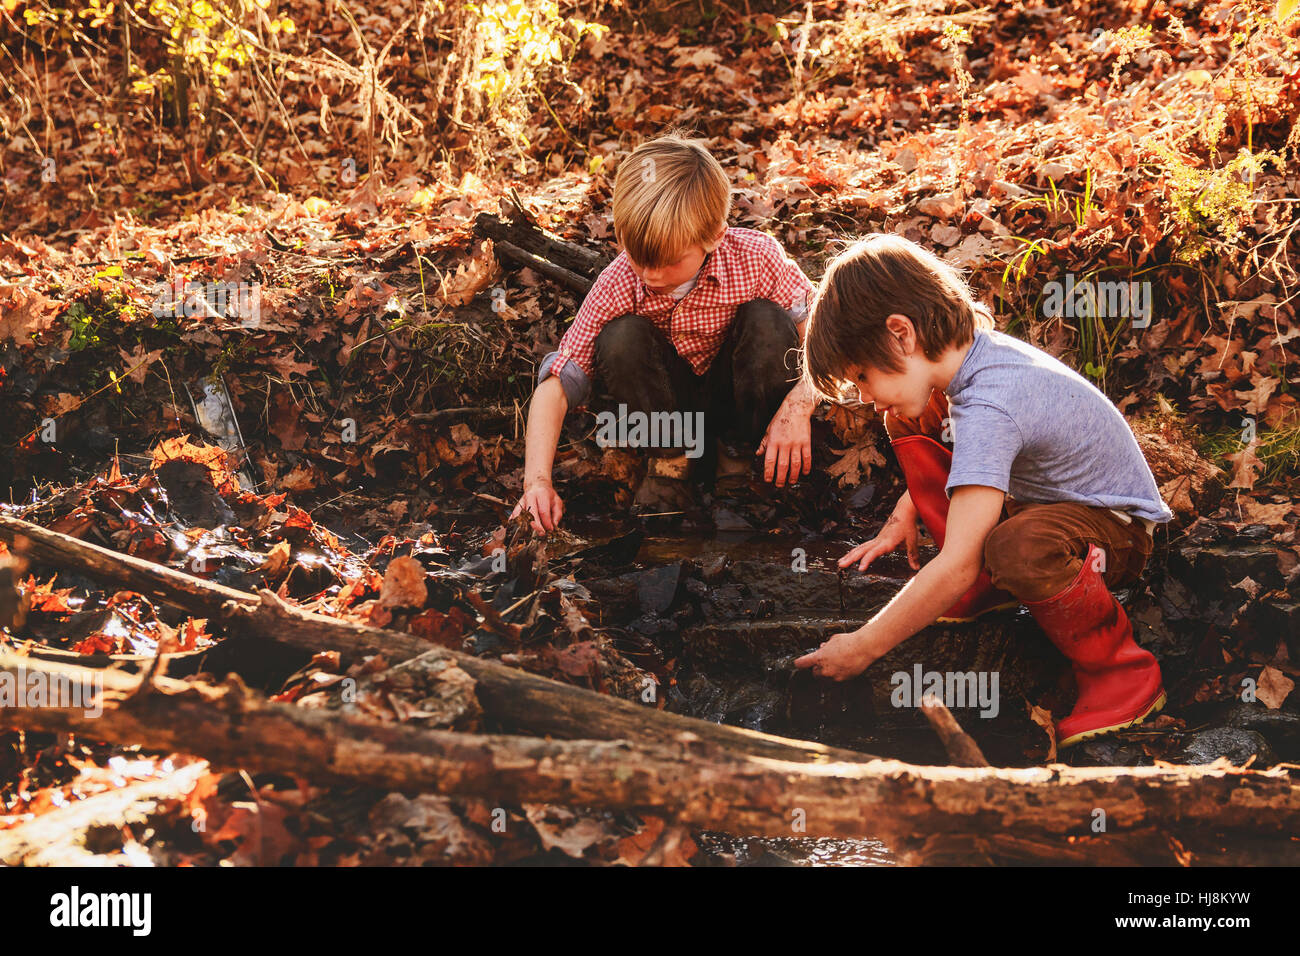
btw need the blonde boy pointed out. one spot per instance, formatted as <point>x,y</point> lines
<point>693,318</point>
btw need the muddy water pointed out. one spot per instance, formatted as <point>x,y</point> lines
<point>756,614</point>
<point>760,602</point>
<point>728,850</point>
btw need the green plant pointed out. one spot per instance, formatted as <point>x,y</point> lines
<point>872,31</point>
<point>1030,248</point>
<point>1278,450</point>
<point>955,37</point>
<point>206,39</point>
<point>233,352</point>
<point>1057,203</point>
<point>507,50</point>
<point>85,327</point>
<point>1211,202</point>
<point>1098,341</point>
<point>1128,41</point>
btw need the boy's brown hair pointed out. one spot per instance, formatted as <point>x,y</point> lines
<point>874,278</point>
<point>669,194</point>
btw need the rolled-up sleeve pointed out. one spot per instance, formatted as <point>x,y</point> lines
<point>574,381</point>
<point>573,361</point>
<point>785,284</point>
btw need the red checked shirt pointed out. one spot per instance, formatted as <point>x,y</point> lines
<point>746,265</point>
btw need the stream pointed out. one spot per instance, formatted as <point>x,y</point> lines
<point>733,611</point>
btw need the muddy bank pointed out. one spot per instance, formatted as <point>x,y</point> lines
<point>715,618</point>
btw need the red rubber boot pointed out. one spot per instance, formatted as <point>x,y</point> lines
<point>926,464</point>
<point>1119,682</point>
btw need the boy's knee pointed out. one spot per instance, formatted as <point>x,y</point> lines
<point>1020,559</point>
<point>628,336</point>
<point>765,334</point>
<point>764,319</point>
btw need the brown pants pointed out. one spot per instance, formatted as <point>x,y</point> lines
<point>1036,550</point>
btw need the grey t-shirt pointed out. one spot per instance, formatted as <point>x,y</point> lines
<point>1029,425</point>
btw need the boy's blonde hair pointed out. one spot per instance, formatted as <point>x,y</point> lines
<point>874,278</point>
<point>669,194</point>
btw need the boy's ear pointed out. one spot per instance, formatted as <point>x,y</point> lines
<point>903,330</point>
<point>716,240</point>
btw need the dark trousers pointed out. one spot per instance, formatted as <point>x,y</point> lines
<point>740,392</point>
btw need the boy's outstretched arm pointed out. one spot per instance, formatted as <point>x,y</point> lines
<point>545,419</point>
<point>973,512</point>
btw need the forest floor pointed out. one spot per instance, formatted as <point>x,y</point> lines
<point>375,404</point>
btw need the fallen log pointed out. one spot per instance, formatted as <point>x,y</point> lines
<point>519,242</point>
<point>516,700</point>
<point>512,699</point>
<point>521,258</point>
<point>154,581</point>
<point>688,781</point>
<point>56,838</point>
<point>450,416</point>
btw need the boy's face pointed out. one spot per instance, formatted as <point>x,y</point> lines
<point>904,393</point>
<point>664,279</point>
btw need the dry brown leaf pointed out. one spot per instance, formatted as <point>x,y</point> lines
<point>1257,512</point>
<point>302,478</point>
<point>277,559</point>
<point>470,278</point>
<point>137,362</point>
<point>1273,688</point>
<point>23,313</point>
<point>1257,398</point>
<point>212,457</point>
<point>855,464</point>
<point>632,850</point>
<point>403,584</point>
<point>1043,718</point>
<point>1246,467</point>
<point>562,829</point>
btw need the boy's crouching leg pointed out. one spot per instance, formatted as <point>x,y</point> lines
<point>638,368</point>
<point>1119,683</point>
<point>763,369</point>
<point>926,463</point>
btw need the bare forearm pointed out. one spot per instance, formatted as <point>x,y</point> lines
<point>919,602</point>
<point>802,394</point>
<point>801,398</point>
<point>545,420</point>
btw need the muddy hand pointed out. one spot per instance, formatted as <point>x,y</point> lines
<point>842,657</point>
<point>787,447</point>
<point>543,504</point>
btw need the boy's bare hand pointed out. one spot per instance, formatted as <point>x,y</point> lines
<point>787,446</point>
<point>899,529</point>
<point>842,657</point>
<point>542,502</point>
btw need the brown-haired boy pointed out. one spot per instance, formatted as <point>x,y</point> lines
<point>692,318</point>
<point>1051,501</point>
